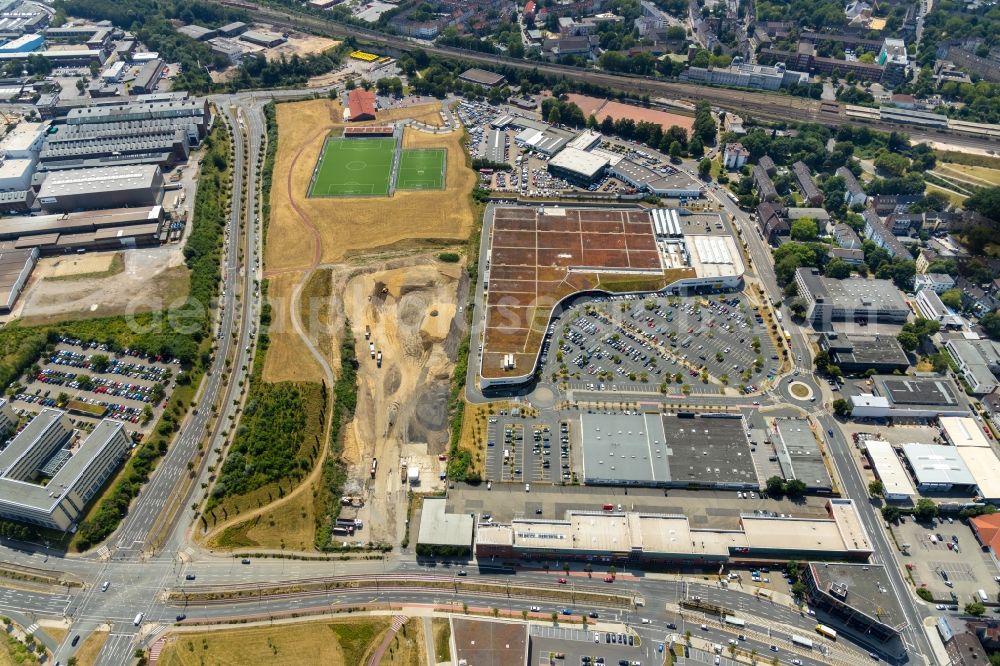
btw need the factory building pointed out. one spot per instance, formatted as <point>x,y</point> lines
<point>197,32</point>
<point>889,470</point>
<point>233,29</point>
<point>68,57</point>
<point>16,202</point>
<point>978,363</point>
<point>852,299</point>
<point>666,223</point>
<point>481,77</point>
<point>262,38</point>
<point>799,454</point>
<point>48,448</point>
<point>909,398</point>
<point>194,111</point>
<point>103,187</point>
<point>938,468</point>
<point>79,150</point>
<point>23,44</point>
<point>115,229</point>
<point>149,75</point>
<point>15,269</point>
<point>578,166</point>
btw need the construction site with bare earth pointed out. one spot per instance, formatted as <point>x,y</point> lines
<point>371,268</point>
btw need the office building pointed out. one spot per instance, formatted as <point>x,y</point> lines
<point>442,532</point>
<point>857,353</point>
<point>743,75</point>
<point>103,187</point>
<point>930,306</point>
<point>853,299</point>
<point>48,448</point>
<point>937,282</point>
<point>910,398</point>
<point>859,598</point>
<point>978,363</point>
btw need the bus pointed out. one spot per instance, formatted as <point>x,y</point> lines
<point>734,621</point>
<point>802,642</point>
<point>826,632</point>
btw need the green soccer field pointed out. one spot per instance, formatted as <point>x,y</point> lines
<point>354,167</point>
<point>421,169</point>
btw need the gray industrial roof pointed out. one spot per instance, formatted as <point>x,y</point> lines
<point>854,293</point>
<point>439,528</point>
<point>934,391</point>
<point>579,161</point>
<point>45,497</point>
<point>937,465</point>
<point>868,590</point>
<point>101,179</point>
<point>800,456</point>
<point>872,349</point>
<point>650,449</point>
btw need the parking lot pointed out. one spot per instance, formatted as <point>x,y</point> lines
<point>642,343</point>
<point>523,450</point>
<point>933,562</point>
<point>576,647</point>
<point>92,383</point>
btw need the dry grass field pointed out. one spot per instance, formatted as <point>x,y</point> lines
<point>407,647</point>
<point>290,525</point>
<point>973,175</point>
<point>333,643</point>
<point>91,647</point>
<point>287,359</point>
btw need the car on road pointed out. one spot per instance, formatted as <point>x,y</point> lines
<point>246,560</point>
<point>774,648</point>
<point>536,609</point>
<point>609,579</point>
<point>562,581</point>
<point>463,572</point>
<point>76,639</point>
<point>567,611</point>
<point>593,614</point>
<point>189,576</point>
<point>105,585</point>
<point>671,625</point>
<point>797,662</point>
<point>829,431</point>
<point>181,617</point>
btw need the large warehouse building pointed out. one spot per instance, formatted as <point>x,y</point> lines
<point>15,269</point>
<point>103,187</point>
<point>909,398</point>
<point>889,470</point>
<point>662,450</point>
<point>194,111</point>
<point>48,448</point>
<point>638,538</point>
<point>114,229</point>
<point>938,468</point>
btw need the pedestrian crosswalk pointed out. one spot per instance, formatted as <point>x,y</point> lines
<point>104,553</point>
<point>32,628</point>
<point>156,649</point>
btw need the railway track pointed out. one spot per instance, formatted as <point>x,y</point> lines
<point>758,104</point>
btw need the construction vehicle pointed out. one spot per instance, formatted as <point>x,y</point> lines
<point>368,332</point>
<point>378,360</point>
<point>371,348</point>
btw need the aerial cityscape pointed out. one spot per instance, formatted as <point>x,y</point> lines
<point>540,332</point>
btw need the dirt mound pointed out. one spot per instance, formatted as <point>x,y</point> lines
<point>437,322</point>
<point>390,384</point>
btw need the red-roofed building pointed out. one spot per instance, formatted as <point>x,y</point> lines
<point>360,105</point>
<point>987,531</point>
<point>529,9</point>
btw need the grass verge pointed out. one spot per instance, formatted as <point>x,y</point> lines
<point>441,628</point>
<point>345,400</point>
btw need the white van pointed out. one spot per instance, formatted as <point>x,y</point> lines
<point>138,619</point>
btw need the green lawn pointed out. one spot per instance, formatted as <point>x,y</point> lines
<point>354,167</point>
<point>421,169</point>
